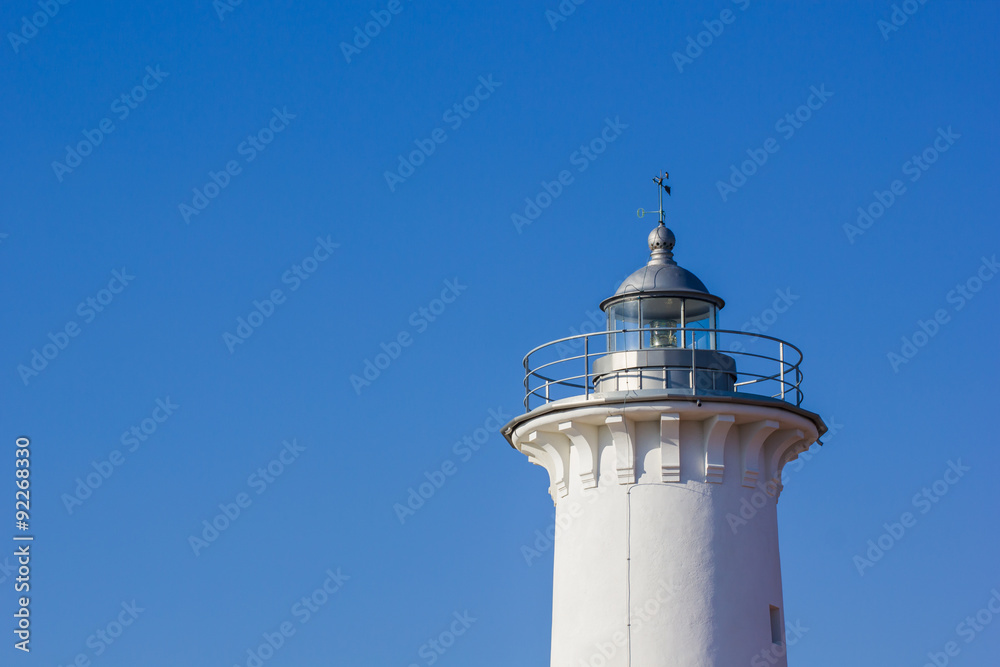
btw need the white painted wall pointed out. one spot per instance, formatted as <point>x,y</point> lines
<point>699,591</point>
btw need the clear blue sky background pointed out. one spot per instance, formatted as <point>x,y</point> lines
<point>323,176</point>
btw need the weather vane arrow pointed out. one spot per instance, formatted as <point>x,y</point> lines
<point>659,180</point>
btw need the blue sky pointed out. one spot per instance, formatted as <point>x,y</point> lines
<point>255,119</point>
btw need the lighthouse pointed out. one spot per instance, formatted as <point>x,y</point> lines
<point>664,438</point>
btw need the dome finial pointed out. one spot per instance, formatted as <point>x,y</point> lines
<point>661,245</point>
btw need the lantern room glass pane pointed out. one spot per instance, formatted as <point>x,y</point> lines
<point>661,319</point>
<point>713,318</point>
<point>699,316</point>
<point>621,316</point>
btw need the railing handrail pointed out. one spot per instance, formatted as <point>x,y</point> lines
<point>787,379</point>
<point>685,329</point>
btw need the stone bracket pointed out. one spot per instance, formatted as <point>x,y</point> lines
<point>543,452</point>
<point>670,447</point>
<point>716,429</point>
<point>780,445</point>
<point>752,437</point>
<point>624,448</point>
<point>583,438</point>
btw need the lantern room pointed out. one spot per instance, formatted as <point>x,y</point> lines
<point>662,329</point>
<point>662,305</point>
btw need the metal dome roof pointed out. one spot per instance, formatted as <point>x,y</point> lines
<point>661,275</point>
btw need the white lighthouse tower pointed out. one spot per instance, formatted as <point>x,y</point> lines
<point>664,439</point>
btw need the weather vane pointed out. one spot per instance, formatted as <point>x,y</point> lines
<point>659,180</point>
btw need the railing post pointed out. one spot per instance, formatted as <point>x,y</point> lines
<point>586,367</point>
<point>546,391</point>
<point>527,384</point>
<point>694,377</point>
<point>798,386</point>
<point>781,353</point>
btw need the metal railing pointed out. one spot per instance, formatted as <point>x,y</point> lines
<point>764,366</point>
